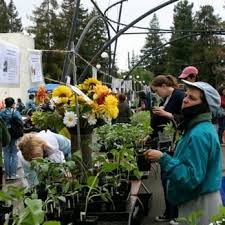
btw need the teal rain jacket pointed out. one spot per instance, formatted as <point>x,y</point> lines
<point>196,167</point>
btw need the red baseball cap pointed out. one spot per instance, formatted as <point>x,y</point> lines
<point>187,71</point>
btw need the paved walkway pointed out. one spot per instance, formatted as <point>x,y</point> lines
<point>157,207</point>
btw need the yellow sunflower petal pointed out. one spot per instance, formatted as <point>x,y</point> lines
<point>63,93</point>
<point>111,106</point>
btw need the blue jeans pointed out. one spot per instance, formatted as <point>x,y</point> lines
<point>10,158</point>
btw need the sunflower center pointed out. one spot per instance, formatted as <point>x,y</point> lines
<point>62,95</point>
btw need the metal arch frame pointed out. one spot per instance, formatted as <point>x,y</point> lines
<point>86,29</point>
<point>105,18</point>
<point>83,75</point>
<point>72,31</point>
<point>117,30</point>
<point>102,14</point>
<point>161,46</point>
<point>116,3</point>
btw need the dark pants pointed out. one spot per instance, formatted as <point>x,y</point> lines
<point>171,211</point>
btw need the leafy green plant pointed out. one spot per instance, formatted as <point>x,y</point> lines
<point>121,165</point>
<point>192,219</point>
<point>170,131</point>
<point>44,120</point>
<point>142,119</point>
<point>48,171</point>
<point>31,212</point>
<point>219,217</point>
<point>119,135</point>
<point>94,190</point>
<point>108,170</point>
<point>55,182</point>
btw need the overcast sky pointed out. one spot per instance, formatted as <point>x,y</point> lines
<point>131,10</point>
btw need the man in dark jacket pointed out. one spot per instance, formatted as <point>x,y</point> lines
<point>10,151</point>
<point>4,140</point>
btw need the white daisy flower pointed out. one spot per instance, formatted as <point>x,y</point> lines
<point>70,119</point>
<point>92,120</point>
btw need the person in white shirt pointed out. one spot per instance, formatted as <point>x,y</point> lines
<point>59,141</point>
<point>42,144</point>
<point>38,145</point>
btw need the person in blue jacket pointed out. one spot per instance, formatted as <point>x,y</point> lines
<point>10,151</point>
<point>194,172</point>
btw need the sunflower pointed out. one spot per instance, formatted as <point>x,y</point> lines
<point>83,87</point>
<point>63,92</point>
<point>100,91</point>
<point>98,110</point>
<point>91,82</point>
<point>111,106</point>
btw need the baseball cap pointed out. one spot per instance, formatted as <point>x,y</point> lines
<point>211,94</point>
<point>187,71</point>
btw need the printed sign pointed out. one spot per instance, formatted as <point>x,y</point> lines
<point>9,64</point>
<point>35,64</point>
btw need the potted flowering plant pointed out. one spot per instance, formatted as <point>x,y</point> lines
<point>102,104</point>
<point>96,103</point>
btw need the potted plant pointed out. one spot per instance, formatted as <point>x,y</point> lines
<point>119,136</point>
<point>31,211</point>
<point>57,188</point>
<point>92,190</point>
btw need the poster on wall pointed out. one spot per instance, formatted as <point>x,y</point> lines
<point>9,64</point>
<point>35,65</point>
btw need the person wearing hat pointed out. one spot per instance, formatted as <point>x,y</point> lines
<point>194,172</point>
<point>189,73</point>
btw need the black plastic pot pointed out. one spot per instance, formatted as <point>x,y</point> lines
<point>90,220</point>
<point>41,192</point>
<point>142,163</point>
<point>5,210</point>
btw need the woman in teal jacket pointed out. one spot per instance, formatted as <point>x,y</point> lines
<point>194,172</point>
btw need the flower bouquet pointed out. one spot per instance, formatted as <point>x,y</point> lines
<point>101,107</point>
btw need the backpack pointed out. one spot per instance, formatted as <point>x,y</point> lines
<point>17,128</point>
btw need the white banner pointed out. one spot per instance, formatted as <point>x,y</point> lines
<point>117,84</point>
<point>9,64</point>
<point>35,65</point>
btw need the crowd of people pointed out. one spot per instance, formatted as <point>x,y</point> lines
<point>36,143</point>
<point>191,171</point>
